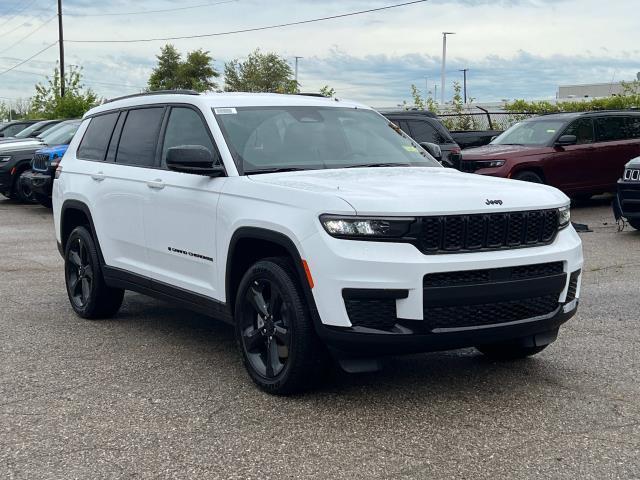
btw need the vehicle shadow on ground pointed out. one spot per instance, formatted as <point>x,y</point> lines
<point>429,375</point>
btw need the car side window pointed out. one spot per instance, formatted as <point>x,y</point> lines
<point>185,127</point>
<point>582,129</point>
<point>424,132</point>
<point>612,128</point>
<point>139,137</point>
<point>96,139</point>
<point>633,127</point>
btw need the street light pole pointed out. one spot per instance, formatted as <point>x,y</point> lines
<point>444,64</point>
<point>464,72</point>
<point>61,44</point>
<point>296,70</point>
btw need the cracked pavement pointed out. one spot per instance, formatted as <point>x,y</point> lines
<point>159,392</point>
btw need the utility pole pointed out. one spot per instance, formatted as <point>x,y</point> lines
<point>464,72</point>
<point>61,44</point>
<point>297,58</point>
<point>444,64</point>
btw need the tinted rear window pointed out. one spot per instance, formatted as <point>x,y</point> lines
<point>139,137</point>
<point>96,138</point>
<point>616,128</point>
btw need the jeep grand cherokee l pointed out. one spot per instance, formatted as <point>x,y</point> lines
<point>582,154</point>
<point>314,226</point>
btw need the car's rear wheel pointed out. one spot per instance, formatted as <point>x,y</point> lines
<point>528,176</point>
<point>90,297</point>
<point>274,329</point>
<point>509,350</point>
<point>24,193</point>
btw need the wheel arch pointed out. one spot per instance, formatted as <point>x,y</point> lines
<point>537,169</point>
<point>75,213</point>
<point>271,243</point>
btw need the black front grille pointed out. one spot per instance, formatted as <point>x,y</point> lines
<point>379,313</point>
<point>476,277</point>
<point>40,162</point>
<point>494,231</point>
<point>489,313</point>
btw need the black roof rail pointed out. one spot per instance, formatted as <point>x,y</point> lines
<point>312,94</point>
<point>155,92</point>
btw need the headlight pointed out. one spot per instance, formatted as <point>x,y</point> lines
<point>489,163</point>
<point>564,216</point>
<point>4,159</point>
<point>366,227</point>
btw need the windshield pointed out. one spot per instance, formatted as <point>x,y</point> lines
<point>61,135</point>
<point>311,138</point>
<point>536,132</point>
<point>26,133</point>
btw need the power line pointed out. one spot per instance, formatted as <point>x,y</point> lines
<point>87,81</point>
<point>18,12</point>
<point>255,29</point>
<point>30,58</point>
<point>144,12</point>
<point>28,35</point>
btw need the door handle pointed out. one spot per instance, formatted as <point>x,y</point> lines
<point>98,177</point>
<point>156,184</point>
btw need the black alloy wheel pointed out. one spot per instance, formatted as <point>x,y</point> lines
<point>266,330</point>
<point>80,273</point>
<point>23,188</point>
<point>88,294</point>
<point>274,330</point>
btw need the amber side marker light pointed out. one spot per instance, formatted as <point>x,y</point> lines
<point>307,273</point>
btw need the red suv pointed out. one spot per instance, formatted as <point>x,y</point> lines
<point>582,154</point>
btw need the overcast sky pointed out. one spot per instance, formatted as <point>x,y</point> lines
<point>513,48</point>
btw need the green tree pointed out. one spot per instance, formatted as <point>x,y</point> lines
<point>328,91</point>
<point>194,73</point>
<point>421,102</point>
<point>260,72</point>
<point>48,103</point>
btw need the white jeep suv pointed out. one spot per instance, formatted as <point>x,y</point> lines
<point>315,226</point>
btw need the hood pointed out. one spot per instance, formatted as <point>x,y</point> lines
<point>501,151</point>
<point>55,151</point>
<point>20,144</point>
<point>419,190</point>
<point>633,163</point>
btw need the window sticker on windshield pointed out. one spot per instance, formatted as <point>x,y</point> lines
<point>226,111</point>
<point>410,148</point>
<point>551,130</point>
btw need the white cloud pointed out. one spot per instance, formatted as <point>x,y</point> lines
<point>514,48</point>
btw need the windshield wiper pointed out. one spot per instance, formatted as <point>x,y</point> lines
<point>274,170</point>
<point>373,165</point>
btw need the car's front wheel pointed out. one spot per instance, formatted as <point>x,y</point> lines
<point>24,193</point>
<point>90,297</point>
<point>528,176</point>
<point>274,330</point>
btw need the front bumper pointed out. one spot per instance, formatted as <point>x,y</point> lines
<point>41,183</point>
<point>6,180</point>
<point>400,270</point>
<point>351,341</point>
<point>629,199</point>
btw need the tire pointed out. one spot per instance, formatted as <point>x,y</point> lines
<point>528,176</point>
<point>23,192</point>
<point>509,351</point>
<point>88,294</point>
<point>635,223</point>
<point>274,329</point>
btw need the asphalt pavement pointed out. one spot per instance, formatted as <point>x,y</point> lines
<point>159,392</point>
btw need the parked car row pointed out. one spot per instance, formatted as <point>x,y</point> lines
<point>17,180</point>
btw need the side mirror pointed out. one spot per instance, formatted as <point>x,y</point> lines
<point>194,159</point>
<point>433,149</point>
<point>566,140</point>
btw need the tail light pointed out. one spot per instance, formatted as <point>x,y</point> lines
<point>456,150</point>
<point>58,171</point>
